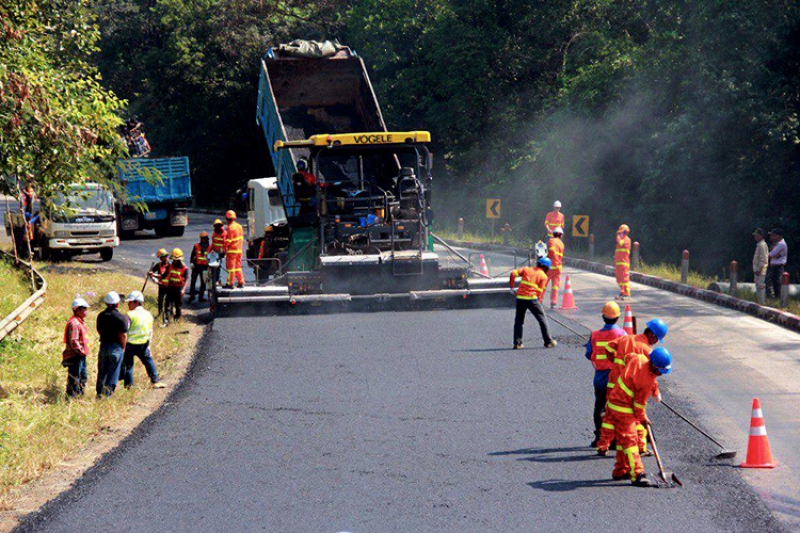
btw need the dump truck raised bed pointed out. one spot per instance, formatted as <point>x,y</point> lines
<point>357,198</point>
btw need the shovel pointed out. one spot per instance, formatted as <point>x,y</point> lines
<point>724,454</point>
<point>668,477</point>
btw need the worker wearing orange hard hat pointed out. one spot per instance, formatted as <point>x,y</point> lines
<point>554,219</point>
<point>555,252</point>
<point>622,261</point>
<point>199,261</point>
<point>234,240</point>
<point>597,353</point>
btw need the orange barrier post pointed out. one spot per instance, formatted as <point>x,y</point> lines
<point>483,268</point>
<point>568,303</point>
<point>758,452</point>
<point>627,324</point>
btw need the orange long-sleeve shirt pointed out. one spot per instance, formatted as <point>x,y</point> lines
<point>622,252</point>
<point>553,220</point>
<point>555,252</point>
<point>634,387</point>
<point>532,285</point>
<point>234,238</point>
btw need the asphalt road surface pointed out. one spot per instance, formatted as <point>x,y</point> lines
<point>403,421</point>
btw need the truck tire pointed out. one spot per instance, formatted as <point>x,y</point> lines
<point>106,254</point>
<point>178,231</point>
<point>126,234</point>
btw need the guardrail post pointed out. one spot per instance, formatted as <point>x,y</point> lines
<point>460,228</point>
<point>685,267</point>
<point>635,256</point>
<point>785,290</point>
<point>734,276</point>
<point>591,246</point>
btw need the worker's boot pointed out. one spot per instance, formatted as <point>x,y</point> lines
<point>602,452</point>
<point>552,344</point>
<point>518,346</point>
<point>642,481</point>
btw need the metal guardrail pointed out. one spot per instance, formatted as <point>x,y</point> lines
<point>17,316</point>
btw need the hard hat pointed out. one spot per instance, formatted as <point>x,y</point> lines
<point>204,235</point>
<point>559,231</point>
<point>135,296</point>
<point>218,222</point>
<point>268,227</point>
<point>177,253</point>
<point>112,298</point>
<point>79,302</point>
<point>661,359</point>
<point>658,327</point>
<point>302,165</point>
<point>162,252</point>
<point>625,228</point>
<point>544,262</point>
<point>556,204</point>
<point>611,310</point>
<point>230,213</point>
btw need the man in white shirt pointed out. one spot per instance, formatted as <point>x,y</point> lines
<point>760,263</point>
<point>777,261</point>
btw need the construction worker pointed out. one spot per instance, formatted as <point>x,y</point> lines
<point>302,169</point>
<point>112,327</point>
<point>555,252</point>
<point>554,219</point>
<point>176,279</point>
<point>597,353</point>
<point>140,335</point>
<point>626,406</point>
<point>199,261</point>
<point>531,288</point>
<point>218,243</point>
<point>265,252</point>
<point>77,348</point>
<point>158,273</point>
<point>234,239</point>
<point>620,350</point>
<point>622,262</point>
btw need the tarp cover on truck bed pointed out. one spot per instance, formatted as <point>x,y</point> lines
<point>310,49</point>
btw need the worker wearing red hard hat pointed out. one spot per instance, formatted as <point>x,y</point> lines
<point>597,352</point>
<point>234,239</point>
<point>626,406</point>
<point>555,253</point>
<point>554,219</point>
<point>622,261</point>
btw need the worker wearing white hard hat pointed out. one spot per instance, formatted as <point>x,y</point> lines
<point>140,335</point>
<point>555,252</point>
<point>554,219</point>
<point>76,340</point>
<point>112,326</point>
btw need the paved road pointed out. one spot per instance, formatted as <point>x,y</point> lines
<point>422,421</point>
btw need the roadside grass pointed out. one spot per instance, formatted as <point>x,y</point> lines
<point>16,288</point>
<point>39,427</point>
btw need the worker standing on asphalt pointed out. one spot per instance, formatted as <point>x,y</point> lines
<point>218,243</point>
<point>158,273</point>
<point>620,351</point>
<point>597,353</point>
<point>234,239</point>
<point>555,253</point>
<point>199,261</point>
<point>176,279</point>
<point>77,348</point>
<point>554,219</point>
<point>531,288</point>
<point>112,326</point>
<point>140,335</point>
<point>760,263</point>
<point>626,407</point>
<point>622,262</point>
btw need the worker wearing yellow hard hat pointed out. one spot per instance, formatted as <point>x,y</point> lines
<point>199,261</point>
<point>234,240</point>
<point>622,261</point>
<point>158,273</point>
<point>176,281</point>
<point>597,353</point>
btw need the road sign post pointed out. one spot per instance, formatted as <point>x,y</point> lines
<point>493,210</point>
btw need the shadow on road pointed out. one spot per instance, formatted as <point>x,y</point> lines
<point>553,455</point>
<point>563,485</point>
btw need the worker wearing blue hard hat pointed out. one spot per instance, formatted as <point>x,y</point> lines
<point>529,297</point>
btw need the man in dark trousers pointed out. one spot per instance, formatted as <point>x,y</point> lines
<point>199,262</point>
<point>112,326</point>
<point>530,292</point>
<point>77,348</point>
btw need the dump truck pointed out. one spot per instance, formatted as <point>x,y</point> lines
<point>163,186</point>
<point>356,198</point>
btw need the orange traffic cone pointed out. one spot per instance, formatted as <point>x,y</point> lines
<point>569,300</point>
<point>758,454</point>
<point>483,268</point>
<point>627,325</point>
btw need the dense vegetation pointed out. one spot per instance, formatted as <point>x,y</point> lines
<point>679,118</point>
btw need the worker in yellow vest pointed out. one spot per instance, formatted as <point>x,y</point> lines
<point>140,335</point>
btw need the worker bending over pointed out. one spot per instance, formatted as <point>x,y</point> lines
<point>531,289</point>
<point>234,238</point>
<point>555,253</point>
<point>622,262</point>
<point>597,353</point>
<point>620,350</point>
<point>626,405</point>
<point>554,219</point>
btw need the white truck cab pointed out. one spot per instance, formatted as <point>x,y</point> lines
<point>264,207</point>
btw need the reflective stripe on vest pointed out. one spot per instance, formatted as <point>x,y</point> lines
<point>200,255</point>
<point>141,328</point>
<point>625,388</point>
<point>620,409</point>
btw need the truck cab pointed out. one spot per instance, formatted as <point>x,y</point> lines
<point>264,208</point>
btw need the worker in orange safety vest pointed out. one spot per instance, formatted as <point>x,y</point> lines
<point>622,261</point>
<point>626,406</point>
<point>199,261</point>
<point>597,352</point>
<point>620,350</point>
<point>555,252</point>
<point>554,219</point>
<point>176,283</point>
<point>531,287</point>
<point>234,240</point>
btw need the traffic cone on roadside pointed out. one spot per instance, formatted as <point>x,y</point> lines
<point>758,453</point>
<point>569,300</point>
<point>627,325</point>
<point>483,268</point>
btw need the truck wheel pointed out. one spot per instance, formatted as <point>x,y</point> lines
<point>126,234</point>
<point>106,254</point>
<point>178,231</point>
